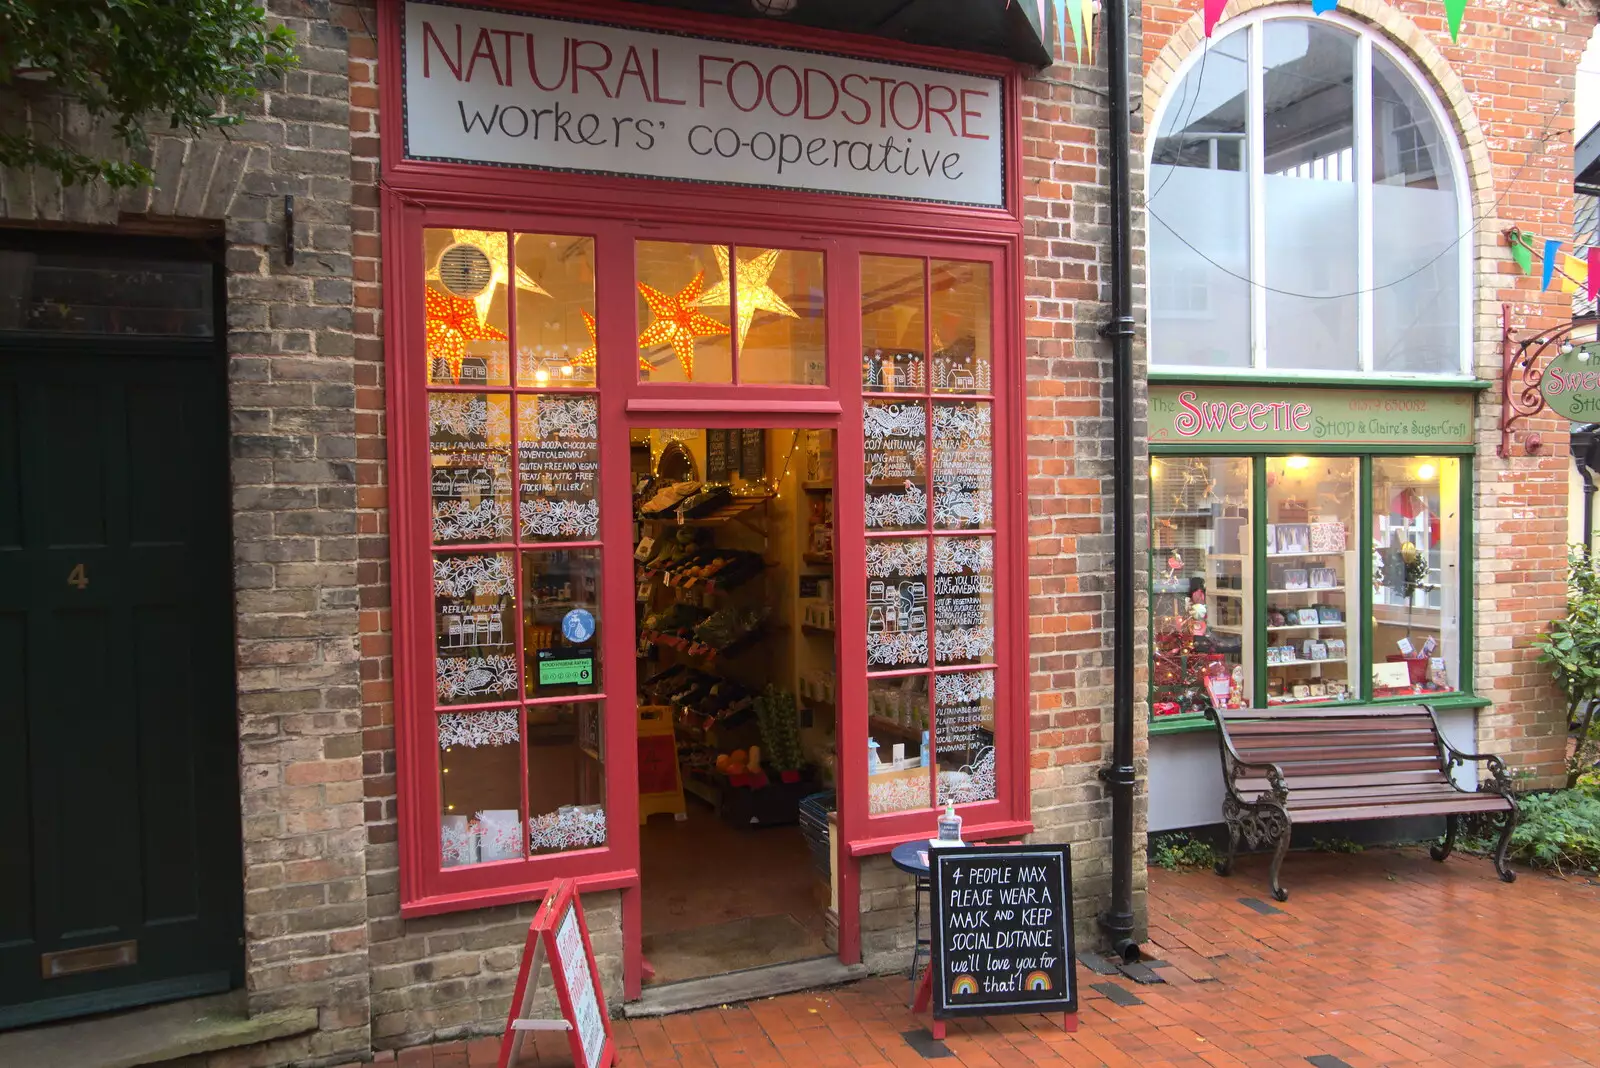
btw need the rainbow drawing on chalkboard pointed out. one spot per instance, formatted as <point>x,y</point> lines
<point>964,984</point>
<point>1036,981</point>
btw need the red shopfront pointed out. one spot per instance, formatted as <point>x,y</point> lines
<point>613,237</point>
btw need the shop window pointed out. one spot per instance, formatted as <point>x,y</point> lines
<point>1202,593</point>
<point>1262,591</point>
<point>1313,580</point>
<point>1416,551</point>
<point>725,313</point>
<point>930,555</point>
<point>513,446</point>
<point>1357,263</point>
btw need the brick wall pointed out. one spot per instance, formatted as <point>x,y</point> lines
<point>1067,218</point>
<point>291,353</point>
<point>1508,87</point>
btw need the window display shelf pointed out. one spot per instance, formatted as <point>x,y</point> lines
<point>1301,663</point>
<point>1292,556</point>
<point>1305,626</point>
<point>1309,700</point>
<point>1309,589</point>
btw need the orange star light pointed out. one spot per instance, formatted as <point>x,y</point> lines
<point>451,323</point>
<point>588,356</point>
<point>753,292</point>
<point>678,322</point>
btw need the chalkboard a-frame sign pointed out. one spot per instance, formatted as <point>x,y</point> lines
<point>1002,931</point>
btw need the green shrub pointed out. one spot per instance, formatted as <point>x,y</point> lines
<point>1570,648</point>
<point>1335,845</point>
<point>1558,830</point>
<point>1176,851</point>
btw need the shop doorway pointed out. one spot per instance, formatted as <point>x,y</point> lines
<point>737,706</point>
<point>119,819</point>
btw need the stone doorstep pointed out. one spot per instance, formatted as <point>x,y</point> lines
<point>152,1035</point>
<point>748,985</point>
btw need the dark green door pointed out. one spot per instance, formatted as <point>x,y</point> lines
<point>119,802</point>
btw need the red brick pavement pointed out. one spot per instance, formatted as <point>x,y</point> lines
<point>1380,958</point>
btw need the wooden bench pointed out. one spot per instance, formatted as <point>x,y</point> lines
<point>1288,766</point>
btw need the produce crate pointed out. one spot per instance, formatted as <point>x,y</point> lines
<point>814,826</point>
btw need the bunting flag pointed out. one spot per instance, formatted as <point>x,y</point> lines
<point>1322,7</point>
<point>1086,14</point>
<point>1453,10</point>
<point>1574,274</point>
<point>1551,246</point>
<point>1213,14</point>
<point>1070,13</point>
<point>1521,251</point>
<point>1594,270</point>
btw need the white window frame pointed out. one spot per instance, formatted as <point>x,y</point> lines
<point>1366,42</point>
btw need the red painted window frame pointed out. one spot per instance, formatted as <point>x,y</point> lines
<point>416,195</point>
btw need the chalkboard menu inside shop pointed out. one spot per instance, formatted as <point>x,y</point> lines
<point>722,454</point>
<point>1002,930</point>
<point>753,454</point>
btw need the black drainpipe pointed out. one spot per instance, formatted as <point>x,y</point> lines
<point>1586,455</point>
<point>1117,921</point>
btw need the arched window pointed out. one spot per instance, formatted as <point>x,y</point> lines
<point>1308,207</point>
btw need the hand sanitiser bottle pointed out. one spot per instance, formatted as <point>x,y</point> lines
<point>950,824</point>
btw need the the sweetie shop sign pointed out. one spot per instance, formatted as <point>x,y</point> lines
<point>492,87</point>
<point>1265,415</point>
<point>1571,384</point>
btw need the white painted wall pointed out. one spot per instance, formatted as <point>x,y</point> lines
<point>1586,93</point>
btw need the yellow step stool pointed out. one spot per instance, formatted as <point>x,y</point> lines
<point>660,781</point>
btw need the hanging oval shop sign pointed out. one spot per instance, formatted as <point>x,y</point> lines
<point>1571,384</point>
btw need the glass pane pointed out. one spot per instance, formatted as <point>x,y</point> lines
<point>1309,130</point>
<point>963,465</point>
<point>465,306</point>
<point>566,778</point>
<point>561,621</point>
<point>898,765</point>
<point>1416,576</point>
<point>1312,580</point>
<point>963,600</point>
<point>1202,588</point>
<point>782,330</point>
<point>683,335</point>
<point>893,325</point>
<point>469,437</point>
<point>897,602</point>
<point>65,294</point>
<point>963,329</point>
<point>558,466</point>
<point>1200,310</point>
<point>1416,303</point>
<point>478,771</point>
<point>963,733</point>
<point>475,610</point>
<point>555,310</point>
<point>896,445</point>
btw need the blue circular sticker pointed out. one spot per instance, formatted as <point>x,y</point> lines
<point>578,626</point>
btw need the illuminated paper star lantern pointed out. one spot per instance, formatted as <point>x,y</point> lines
<point>751,288</point>
<point>677,322</point>
<point>451,323</point>
<point>493,244</point>
<point>588,356</point>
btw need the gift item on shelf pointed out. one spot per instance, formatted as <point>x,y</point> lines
<point>1327,537</point>
<point>1324,578</point>
<point>1336,649</point>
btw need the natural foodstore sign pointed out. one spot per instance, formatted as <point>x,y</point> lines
<point>492,87</point>
<point>1273,415</point>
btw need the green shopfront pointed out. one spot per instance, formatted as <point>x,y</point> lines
<point>1308,545</point>
<point>1312,402</point>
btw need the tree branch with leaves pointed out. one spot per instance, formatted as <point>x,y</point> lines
<point>129,63</point>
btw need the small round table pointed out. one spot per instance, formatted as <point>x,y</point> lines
<point>911,857</point>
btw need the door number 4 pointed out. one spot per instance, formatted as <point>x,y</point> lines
<point>78,576</point>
